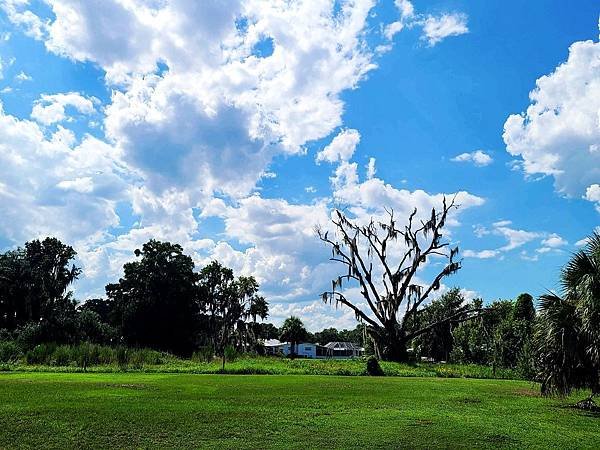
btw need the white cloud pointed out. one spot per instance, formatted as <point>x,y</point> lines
<point>46,182</point>
<point>83,185</point>
<point>559,133</point>
<point>592,193</point>
<point>554,241</point>
<point>371,171</point>
<point>436,29</point>
<point>478,158</point>
<point>515,239</point>
<point>406,8</point>
<point>310,189</point>
<point>341,148</point>
<point>49,109</point>
<point>22,76</point>
<point>483,254</point>
<point>31,24</point>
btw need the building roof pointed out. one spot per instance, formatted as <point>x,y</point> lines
<point>342,346</point>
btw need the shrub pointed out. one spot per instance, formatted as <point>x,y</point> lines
<point>373,367</point>
<point>40,354</point>
<point>122,357</point>
<point>203,354</point>
<point>61,355</point>
<point>230,353</point>
<point>9,352</point>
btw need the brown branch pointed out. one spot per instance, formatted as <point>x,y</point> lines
<point>452,318</point>
<point>341,299</point>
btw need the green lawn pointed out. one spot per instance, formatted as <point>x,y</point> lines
<point>68,410</point>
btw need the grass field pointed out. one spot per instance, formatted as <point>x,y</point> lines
<point>149,361</point>
<point>69,410</point>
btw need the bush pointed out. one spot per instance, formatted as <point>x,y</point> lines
<point>10,352</point>
<point>203,354</point>
<point>122,357</point>
<point>61,356</point>
<point>40,354</point>
<point>373,367</point>
<point>230,353</point>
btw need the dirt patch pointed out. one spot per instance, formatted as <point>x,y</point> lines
<point>127,386</point>
<point>468,400</point>
<point>528,392</point>
<point>423,422</point>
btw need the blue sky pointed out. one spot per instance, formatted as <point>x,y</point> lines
<point>235,127</point>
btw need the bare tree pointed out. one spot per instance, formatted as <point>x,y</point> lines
<point>391,292</point>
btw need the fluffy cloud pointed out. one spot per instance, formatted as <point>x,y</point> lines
<point>592,193</point>
<point>197,112</point>
<point>50,109</point>
<point>515,239</point>
<point>341,148</point>
<point>436,29</point>
<point>55,185</point>
<point>478,157</point>
<point>559,133</point>
<point>483,254</point>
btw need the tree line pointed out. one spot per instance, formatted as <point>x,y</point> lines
<point>161,302</point>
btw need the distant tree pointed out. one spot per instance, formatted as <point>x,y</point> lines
<point>390,290</point>
<point>437,342</point>
<point>266,331</point>
<point>293,331</point>
<point>568,330</point>
<point>155,302</point>
<point>524,309</point>
<point>103,307</point>
<point>258,308</point>
<point>327,335</point>
<point>34,283</point>
<point>227,303</point>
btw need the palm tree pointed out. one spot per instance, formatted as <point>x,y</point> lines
<point>293,331</point>
<point>568,330</point>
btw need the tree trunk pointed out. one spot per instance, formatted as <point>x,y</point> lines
<point>390,344</point>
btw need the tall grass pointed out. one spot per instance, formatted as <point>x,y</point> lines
<point>98,358</point>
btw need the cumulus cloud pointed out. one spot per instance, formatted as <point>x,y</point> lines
<point>592,193</point>
<point>341,148</point>
<point>49,109</point>
<point>559,133</point>
<point>195,117</point>
<point>478,158</point>
<point>436,29</point>
<point>54,185</point>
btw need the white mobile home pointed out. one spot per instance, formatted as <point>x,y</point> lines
<point>309,350</point>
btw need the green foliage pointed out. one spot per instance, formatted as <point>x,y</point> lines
<point>230,353</point>
<point>437,343</point>
<point>122,354</point>
<point>10,352</point>
<point>293,331</point>
<point>203,354</point>
<point>373,367</point>
<point>33,285</point>
<point>568,332</point>
<point>155,301</point>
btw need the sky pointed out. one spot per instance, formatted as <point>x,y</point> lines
<point>234,127</point>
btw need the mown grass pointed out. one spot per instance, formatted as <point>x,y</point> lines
<point>62,410</point>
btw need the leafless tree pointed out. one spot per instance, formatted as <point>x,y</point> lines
<point>391,291</point>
